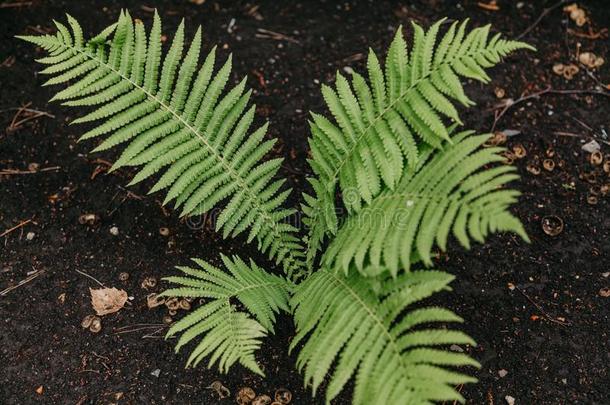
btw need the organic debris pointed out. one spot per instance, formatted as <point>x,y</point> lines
<point>92,322</point>
<point>577,14</point>
<point>552,225</point>
<point>154,300</point>
<point>596,158</point>
<point>283,396</point>
<point>590,60</point>
<point>221,390</point>
<point>149,282</point>
<point>604,292</point>
<point>107,300</point>
<point>262,400</point>
<point>88,219</point>
<point>245,396</point>
<point>567,71</point>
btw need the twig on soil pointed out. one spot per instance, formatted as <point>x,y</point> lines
<point>540,17</point>
<point>140,326</point>
<point>19,4</point>
<point>573,135</point>
<point>511,103</point>
<point>278,36</point>
<point>91,277</point>
<point>19,225</point>
<point>21,283</point>
<point>542,311</point>
<point>33,114</point>
<point>10,172</point>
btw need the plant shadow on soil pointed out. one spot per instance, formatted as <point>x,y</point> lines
<point>45,355</point>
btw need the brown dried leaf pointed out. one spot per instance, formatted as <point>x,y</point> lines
<point>107,300</point>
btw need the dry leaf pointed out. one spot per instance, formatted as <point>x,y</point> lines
<point>107,300</point>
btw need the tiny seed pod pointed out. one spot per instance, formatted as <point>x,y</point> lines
<point>172,312</point>
<point>607,166</point>
<point>552,225</point>
<point>149,282</point>
<point>164,231</point>
<point>596,158</point>
<point>153,300</point>
<point>604,189</point>
<point>245,396</point>
<point>185,305</point>
<point>262,400</point>
<point>550,152</point>
<point>533,169</point>
<point>590,178</point>
<point>86,322</point>
<point>172,303</point>
<point>592,200</point>
<point>558,68</point>
<point>509,158</point>
<point>96,325</point>
<point>220,389</point>
<point>167,319</point>
<point>594,190</point>
<point>283,396</point>
<point>519,151</point>
<point>548,165</point>
<point>123,276</point>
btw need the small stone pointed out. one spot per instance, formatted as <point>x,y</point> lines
<point>502,373</point>
<point>591,147</point>
<point>156,373</point>
<point>606,274</point>
<point>114,231</point>
<point>509,400</point>
<point>30,235</point>
<point>33,167</point>
<point>456,348</point>
<point>123,276</point>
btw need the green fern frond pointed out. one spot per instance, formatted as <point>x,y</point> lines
<point>173,118</point>
<point>230,335</point>
<point>348,330</point>
<point>381,125</point>
<point>455,191</point>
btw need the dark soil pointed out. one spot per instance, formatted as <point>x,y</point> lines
<point>535,309</point>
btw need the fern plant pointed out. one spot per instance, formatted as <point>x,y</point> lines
<point>408,179</point>
<point>172,117</point>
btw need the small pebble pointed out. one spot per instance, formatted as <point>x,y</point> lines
<point>456,348</point>
<point>502,373</point>
<point>114,231</point>
<point>123,276</point>
<point>30,235</point>
<point>156,373</point>
<point>509,400</point>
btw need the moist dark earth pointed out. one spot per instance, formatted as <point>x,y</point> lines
<point>537,311</point>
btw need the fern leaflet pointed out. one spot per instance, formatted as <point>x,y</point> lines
<point>454,190</point>
<point>371,336</point>
<point>230,335</point>
<point>381,126</point>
